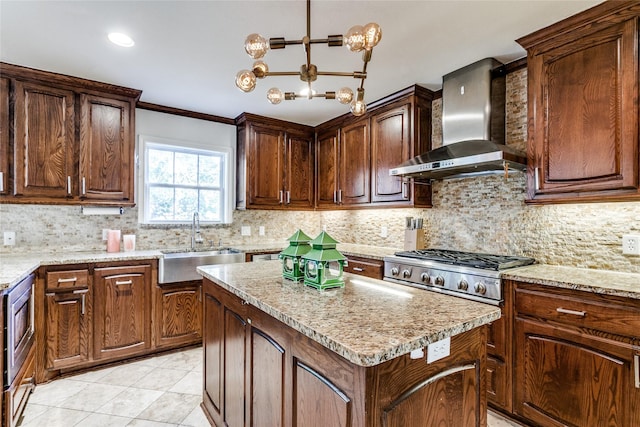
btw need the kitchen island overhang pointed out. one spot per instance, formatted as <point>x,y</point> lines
<point>350,348</point>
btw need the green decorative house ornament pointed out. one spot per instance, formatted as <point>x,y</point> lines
<point>323,264</point>
<point>292,264</point>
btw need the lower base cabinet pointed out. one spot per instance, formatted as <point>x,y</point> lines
<point>178,314</point>
<point>258,371</point>
<point>17,393</point>
<point>577,358</point>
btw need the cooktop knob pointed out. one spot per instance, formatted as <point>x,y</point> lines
<point>463,285</point>
<point>425,278</point>
<point>440,281</point>
<point>481,288</point>
<point>395,271</point>
<point>406,273</point>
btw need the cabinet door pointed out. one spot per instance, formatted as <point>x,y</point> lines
<point>178,314</point>
<point>355,164</point>
<point>265,166</point>
<point>327,169</point>
<point>390,146</point>
<point>583,133</point>
<point>122,310</point>
<point>44,141</point>
<point>564,377</point>
<point>4,136</point>
<point>106,149</point>
<point>299,171</point>
<point>68,326</point>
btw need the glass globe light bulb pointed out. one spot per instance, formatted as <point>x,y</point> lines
<point>355,38</point>
<point>344,95</point>
<point>260,69</point>
<point>256,46</point>
<point>358,108</point>
<point>275,95</point>
<point>246,80</point>
<point>372,35</point>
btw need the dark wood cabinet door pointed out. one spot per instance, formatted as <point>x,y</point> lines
<point>68,326</point>
<point>327,169</point>
<point>355,164</point>
<point>265,166</point>
<point>235,393</point>
<point>44,141</point>
<point>213,344</point>
<point>564,377</point>
<point>106,149</point>
<point>299,171</point>
<point>391,145</point>
<point>584,115</point>
<point>122,324</point>
<point>4,136</point>
<point>178,311</point>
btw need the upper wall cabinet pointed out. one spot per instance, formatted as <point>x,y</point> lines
<point>583,107</point>
<point>4,134</point>
<point>274,164</point>
<point>72,140</point>
<point>354,155</point>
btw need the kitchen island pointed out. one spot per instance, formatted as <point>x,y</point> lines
<point>279,353</point>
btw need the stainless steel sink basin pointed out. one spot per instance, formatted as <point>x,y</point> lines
<point>181,266</point>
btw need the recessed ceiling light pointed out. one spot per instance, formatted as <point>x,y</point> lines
<point>121,39</point>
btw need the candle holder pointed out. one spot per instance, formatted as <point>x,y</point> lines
<point>292,265</point>
<point>323,264</point>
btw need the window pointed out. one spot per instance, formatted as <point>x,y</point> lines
<point>180,180</point>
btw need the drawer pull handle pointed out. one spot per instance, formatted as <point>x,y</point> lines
<point>636,367</point>
<point>1,182</point>
<point>358,269</point>
<point>84,186</point>
<point>68,185</point>
<point>124,282</point>
<point>69,280</point>
<point>405,190</point>
<point>574,312</point>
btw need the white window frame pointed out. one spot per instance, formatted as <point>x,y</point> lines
<point>228,186</point>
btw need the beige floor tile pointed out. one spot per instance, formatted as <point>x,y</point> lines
<point>496,420</point>
<point>170,408</point>
<point>56,392</point>
<point>57,417</point>
<point>146,423</point>
<point>191,383</point>
<point>196,419</point>
<point>130,402</point>
<point>185,360</point>
<point>126,375</point>
<point>92,376</point>
<point>92,397</point>
<point>33,410</point>
<point>160,379</point>
<point>105,420</point>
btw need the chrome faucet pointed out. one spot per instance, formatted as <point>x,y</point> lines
<point>196,237</point>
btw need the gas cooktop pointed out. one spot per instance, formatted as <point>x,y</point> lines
<point>468,259</point>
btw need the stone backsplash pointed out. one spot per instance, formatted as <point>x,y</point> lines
<point>482,214</point>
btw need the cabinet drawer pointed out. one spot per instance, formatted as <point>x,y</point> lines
<point>365,267</point>
<point>581,309</point>
<point>67,279</point>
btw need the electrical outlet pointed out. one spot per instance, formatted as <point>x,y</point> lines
<point>438,350</point>
<point>9,238</point>
<point>384,232</point>
<point>245,230</point>
<point>631,244</point>
<point>261,230</point>
<point>105,232</point>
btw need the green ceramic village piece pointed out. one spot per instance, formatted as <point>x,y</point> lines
<point>292,266</point>
<point>323,264</point>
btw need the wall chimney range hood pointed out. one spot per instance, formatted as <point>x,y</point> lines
<point>473,128</point>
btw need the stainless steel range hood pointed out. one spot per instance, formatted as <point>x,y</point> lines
<point>473,128</point>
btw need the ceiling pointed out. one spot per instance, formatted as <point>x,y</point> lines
<point>188,52</point>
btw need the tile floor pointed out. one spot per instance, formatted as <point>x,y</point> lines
<point>159,391</point>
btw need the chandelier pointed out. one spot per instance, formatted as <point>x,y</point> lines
<point>358,39</point>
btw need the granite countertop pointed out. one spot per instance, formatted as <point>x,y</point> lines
<point>583,279</point>
<point>367,322</point>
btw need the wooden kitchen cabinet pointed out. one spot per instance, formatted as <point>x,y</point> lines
<point>122,311</point>
<point>178,314</point>
<point>73,141</point>
<point>4,138</point>
<point>365,267</point>
<point>275,164</point>
<point>500,354</point>
<point>68,307</point>
<point>583,136</point>
<point>354,155</point>
<point>576,358</point>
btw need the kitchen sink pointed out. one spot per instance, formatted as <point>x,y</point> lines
<point>176,266</point>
